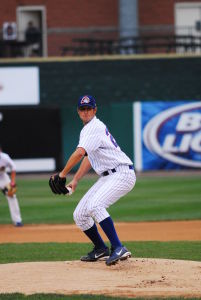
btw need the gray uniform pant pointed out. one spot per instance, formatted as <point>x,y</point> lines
<point>12,201</point>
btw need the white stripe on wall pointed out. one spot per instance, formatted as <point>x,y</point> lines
<point>137,139</point>
<point>35,165</point>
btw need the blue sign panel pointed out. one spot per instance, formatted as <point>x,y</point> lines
<point>169,135</point>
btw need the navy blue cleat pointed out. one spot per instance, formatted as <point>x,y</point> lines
<point>120,253</point>
<point>19,224</point>
<point>96,254</point>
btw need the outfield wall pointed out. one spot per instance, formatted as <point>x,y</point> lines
<point>115,81</point>
<point>116,78</point>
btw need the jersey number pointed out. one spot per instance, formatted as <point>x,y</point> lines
<point>111,137</point>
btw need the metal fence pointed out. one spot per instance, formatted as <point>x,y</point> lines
<point>102,41</point>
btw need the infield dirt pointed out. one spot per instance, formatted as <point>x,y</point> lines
<point>139,231</point>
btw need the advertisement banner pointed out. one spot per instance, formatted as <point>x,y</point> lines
<point>19,86</point>
<point>167,135</point>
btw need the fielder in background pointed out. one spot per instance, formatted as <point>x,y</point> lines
<point>97,149</point>
<point>8,187</point>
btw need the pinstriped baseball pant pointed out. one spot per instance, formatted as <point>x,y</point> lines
<point>105,192</point>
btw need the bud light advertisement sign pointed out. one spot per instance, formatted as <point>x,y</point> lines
<point>167,135</point>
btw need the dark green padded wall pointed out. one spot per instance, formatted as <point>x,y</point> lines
<point>121,80</point>
<point>70,131</point>
<point>126,80</point>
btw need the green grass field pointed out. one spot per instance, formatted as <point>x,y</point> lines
<point>10,253</point>
<point>152,199</point>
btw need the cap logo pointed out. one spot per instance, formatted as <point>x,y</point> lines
<point>85,100</point>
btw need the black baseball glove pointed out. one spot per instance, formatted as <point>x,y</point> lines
<point>58,184</point>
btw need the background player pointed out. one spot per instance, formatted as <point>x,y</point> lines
<point>8,187</point>
<point>99,150</point>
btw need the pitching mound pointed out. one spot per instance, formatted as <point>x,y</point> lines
<point>134,277</point>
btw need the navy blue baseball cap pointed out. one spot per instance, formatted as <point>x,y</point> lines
<point>86,100</point>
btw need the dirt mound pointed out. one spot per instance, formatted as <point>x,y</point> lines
<point>131,278</point>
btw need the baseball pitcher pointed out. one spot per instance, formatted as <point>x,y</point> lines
<point>97,149</point>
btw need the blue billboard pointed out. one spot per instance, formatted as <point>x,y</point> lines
<point>167,135</point>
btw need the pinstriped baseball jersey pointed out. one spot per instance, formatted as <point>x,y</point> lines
<point>102,149</point>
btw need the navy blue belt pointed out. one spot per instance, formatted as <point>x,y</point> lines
<point>106,173</point>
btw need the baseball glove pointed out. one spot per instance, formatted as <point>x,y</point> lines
<point>10,190</point>
<point>58,185</point>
